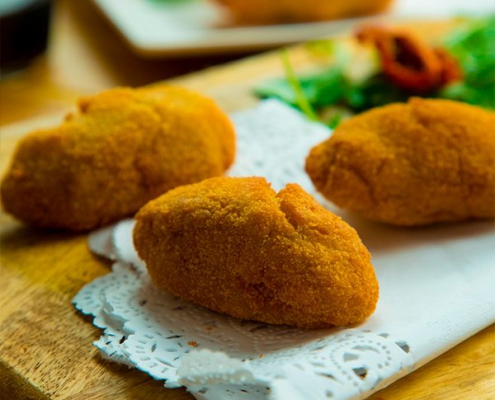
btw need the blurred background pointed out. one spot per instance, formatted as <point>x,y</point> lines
<point>53,51</point>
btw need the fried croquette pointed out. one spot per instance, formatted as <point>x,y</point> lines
<point>419,163</point>
<point>121,149</point>
<point>260,12</point>
<point>237,247</point>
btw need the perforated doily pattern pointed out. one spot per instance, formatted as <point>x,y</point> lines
<point>273,141</point>
<point>217,357</point>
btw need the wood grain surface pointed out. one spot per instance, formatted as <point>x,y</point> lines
<point>45,345</point>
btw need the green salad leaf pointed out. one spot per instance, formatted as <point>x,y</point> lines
<point>320,89</point>
<point>472,44</point>
<point>300,99</point>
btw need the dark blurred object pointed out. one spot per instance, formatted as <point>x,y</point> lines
<point>24,26</point>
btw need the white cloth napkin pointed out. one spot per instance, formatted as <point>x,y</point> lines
<point>437,288</point>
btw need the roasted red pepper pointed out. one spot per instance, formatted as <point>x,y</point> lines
<point>409,62</point>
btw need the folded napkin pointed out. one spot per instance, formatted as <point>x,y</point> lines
<point>436,289</point>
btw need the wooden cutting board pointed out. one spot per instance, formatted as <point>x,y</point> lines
<point>46,346</point>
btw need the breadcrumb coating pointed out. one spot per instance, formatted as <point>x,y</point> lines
<point>237,247</point>
<point>121,149</point>
<point>419,163</point>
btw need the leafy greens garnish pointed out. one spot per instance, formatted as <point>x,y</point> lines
<point>300,99</point>
<point>472,45</point>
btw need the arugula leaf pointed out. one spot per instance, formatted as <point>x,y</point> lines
<point>473,45</point>
<point>480,95</point>
<point>374,92</point>
<point>320,89</point>
<point>301,99</point>
<point>334,120</point>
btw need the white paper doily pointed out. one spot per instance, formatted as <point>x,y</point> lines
<point>436,290</point>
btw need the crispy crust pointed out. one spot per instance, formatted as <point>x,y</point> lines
<point>418,163</point>
<point>123,148</point>
<point>236,246</point>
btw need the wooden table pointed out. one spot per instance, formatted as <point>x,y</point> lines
<point>45,346</point>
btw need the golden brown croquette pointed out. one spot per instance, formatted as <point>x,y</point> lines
<point>121,149</point>
<point>418,163</point>
<point>237,247</point>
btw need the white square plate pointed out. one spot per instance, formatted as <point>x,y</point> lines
<point>154,29</point>
<point>193,27</point>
